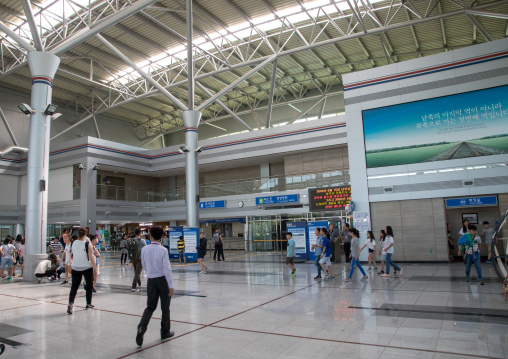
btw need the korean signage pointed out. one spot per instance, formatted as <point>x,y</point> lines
<point>470,124</point>
<point>329,198</point>
<point>290,198</point>
<point>212,204</point>
<point>471,202</point>
<point>299,231</point>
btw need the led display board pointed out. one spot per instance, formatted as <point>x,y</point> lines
<point>329,198</point>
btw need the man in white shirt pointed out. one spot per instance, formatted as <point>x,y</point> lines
<point>155,261</point>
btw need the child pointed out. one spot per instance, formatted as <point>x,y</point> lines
<point>290,256</point>
<point>326,252</point>
<point>470,245</point>
<point>388,251</point>
<point>317,253</point>
<point>67,258</point>
<point>355,254</point>
<point>487,235</point>
<point>371,244</point>
<point>180,245</point>
<point>382,236</point>
<point>97,254</point>
<point>7,251</point>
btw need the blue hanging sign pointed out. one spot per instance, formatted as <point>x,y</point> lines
<point>299,231</point>
<point>290,198</point>
<point>212,204</point>
<point>471,202</point>
<point>223,220</point>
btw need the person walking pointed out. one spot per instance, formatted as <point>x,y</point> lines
<point>346,240</point>
<point>487,236</point>
<point>123,250</point>
<point>470,245</point>
<point>16,259</point>
<point>371,245</point>
<point>155,260</point>
<point>134,247</point>
<point>202,253</point>
<point>21,253</point>
<point>388,250</point>
<point>451,247</point>
<point>326,252</point>
<point>382,237</point>
<point>317,248</point>
<point>83,265</point>
<point>219,245</point>
<point>67,258</point>
<point>355,254</point>
<point>290,255</point>
<point>7,251</point>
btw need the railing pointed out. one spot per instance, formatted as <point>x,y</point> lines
<point>225,188</point>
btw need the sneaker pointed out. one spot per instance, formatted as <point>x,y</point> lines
<point>385,275</point>
<point>400,272</point>
<point>9,278</point>
<point>139,337</point>
<point>50,279</point>
<point>382,272</point>
<point>206,268</point>
<point>370,268</point>
<point>365,277</point>
<point>489,261</point>
<point>93,290</point>
<point>69,308</point>
<point>64,282</point>
<point>202,272</point>
<point>133,288</point>
<point>39,280</point>
<point>327,277</point>
<point>375,268</point>
<point>317,277</point>
<point>347,280</point>
<point>294,272</point>
<point>89,306</point>
<point>480,282</point>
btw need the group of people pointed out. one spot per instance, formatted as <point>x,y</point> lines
<point>12,252</point>
<point>324,247</point>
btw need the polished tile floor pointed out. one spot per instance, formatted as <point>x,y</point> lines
<point>249,307</point>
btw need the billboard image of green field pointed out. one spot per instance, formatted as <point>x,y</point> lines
<point>458,126</point>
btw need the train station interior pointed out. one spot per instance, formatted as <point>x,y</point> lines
<point>265,121</point>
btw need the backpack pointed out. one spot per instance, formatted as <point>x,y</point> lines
<point>133,249</point>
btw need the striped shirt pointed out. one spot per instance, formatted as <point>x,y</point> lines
<point>180,245</point>
<point>56,247</point>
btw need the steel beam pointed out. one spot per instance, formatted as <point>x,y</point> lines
<point>227,109</point>
<point>190,57</point>
<point>497,15</point>
<point>308,109</point>
<point>21,42</point>
<point>480,27</point>
<point>96,127</point>
<point>141,72</point>
<point>36,37</point>
<point>236,82</point>
<point>11,134</point>
<point>270,96</point>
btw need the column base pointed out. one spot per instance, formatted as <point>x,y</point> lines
<point>30,264</point>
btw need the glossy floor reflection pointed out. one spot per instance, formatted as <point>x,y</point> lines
<point>249,307</point>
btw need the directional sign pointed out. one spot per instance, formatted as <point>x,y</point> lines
<point>212,204</point>
<point>291,198</point>
<point>471,202</point>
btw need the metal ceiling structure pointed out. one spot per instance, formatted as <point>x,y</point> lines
<point>128,59</point>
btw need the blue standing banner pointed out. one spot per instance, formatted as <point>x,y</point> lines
<point>191,237</point>
<point>311,228</point>
<point>299,231</point>
<point>173,234</point>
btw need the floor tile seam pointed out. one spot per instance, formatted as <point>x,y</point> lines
<point>23,306</point>
<point>350,342</point>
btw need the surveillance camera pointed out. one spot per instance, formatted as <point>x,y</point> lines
<point>95,168</point>
<point>27,110</point>
<point>200,149</point>
<point>80,166</point>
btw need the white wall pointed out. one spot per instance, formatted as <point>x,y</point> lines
<point>60,185</point>
<point>9,190</point>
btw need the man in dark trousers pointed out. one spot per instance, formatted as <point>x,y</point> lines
<point>136,259</point>
<point>155,260</point>
<point>346,239</point>
<point>334,236</point>
<point>219,245</point>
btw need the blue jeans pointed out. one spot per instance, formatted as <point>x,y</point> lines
<point>316,262</point>
<point>469,262</point>
<point>388,262</point>
<point>357,263</point>
<point>181,255</point>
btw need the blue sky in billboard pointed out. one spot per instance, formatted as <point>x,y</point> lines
<point>457,126</point>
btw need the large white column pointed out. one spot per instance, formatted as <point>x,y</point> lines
<point>191,120</point>
<point>43,66</point>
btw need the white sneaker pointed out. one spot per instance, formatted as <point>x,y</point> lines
<point>327,277</point>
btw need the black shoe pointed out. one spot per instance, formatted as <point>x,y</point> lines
<point>69,308</point>
<point>93,290</point>
<point>64,282</point>
<point>2,348</point>
<point>89,306</point>
<point>167,335</point>
<point>139,336</point>
<point>139,283</point>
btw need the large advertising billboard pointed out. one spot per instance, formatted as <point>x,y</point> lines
<point>465,125</point>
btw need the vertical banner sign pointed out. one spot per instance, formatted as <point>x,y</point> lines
<point>299,230</point>
<point>190,236</point>
<point>174,234</point>
<point>107,239</point>
<point>311,227</point>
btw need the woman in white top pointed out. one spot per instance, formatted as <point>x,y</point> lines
<point>67,257</point>
<point>388,250</point>
<point>371,245</point>
<point>83,265</point>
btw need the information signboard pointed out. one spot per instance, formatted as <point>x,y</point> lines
<point>299,231</point>
<point>311,230</point>
<point>329,198</point>
<point>174,233</point>
<point>191,237</point>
